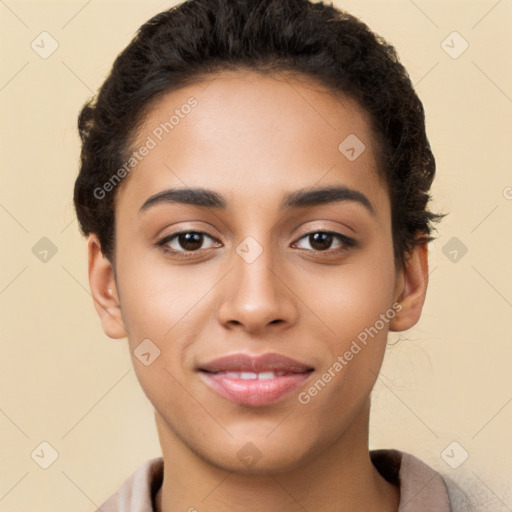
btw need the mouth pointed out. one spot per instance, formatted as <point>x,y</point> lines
<point>254,381</point>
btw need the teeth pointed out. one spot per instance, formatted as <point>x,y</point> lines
<point>248,376</point>
<point>252,375</point>
<point>266,375</point>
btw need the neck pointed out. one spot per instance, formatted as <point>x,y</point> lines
<point>339,478</point>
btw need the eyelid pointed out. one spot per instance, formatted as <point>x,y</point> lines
<point>315,229</point>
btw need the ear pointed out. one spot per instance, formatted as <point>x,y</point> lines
<point>104,290</point>
<point>412,288</point>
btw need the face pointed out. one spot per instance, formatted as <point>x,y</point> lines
<point>256,313</point>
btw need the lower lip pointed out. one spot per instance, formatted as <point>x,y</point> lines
<point>254,392</point>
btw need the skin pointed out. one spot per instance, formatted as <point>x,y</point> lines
<point>254,138</point>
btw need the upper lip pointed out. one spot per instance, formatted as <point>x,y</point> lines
<point>263,363</point>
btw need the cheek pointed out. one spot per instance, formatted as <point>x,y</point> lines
<point>161,308</point>
<point>169,305</point>
<point>352,297</point>
<point>156,297</point>
<point>352,356</point>
<point>356,304</point>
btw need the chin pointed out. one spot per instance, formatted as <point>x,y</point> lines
<point>261,455</point>
<point>261,465</point>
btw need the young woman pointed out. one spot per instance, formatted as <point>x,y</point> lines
<point>254,185</point>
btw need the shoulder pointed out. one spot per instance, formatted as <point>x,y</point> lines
<point>137,492</point>
<point>423,489</point>
<point>469,493</point>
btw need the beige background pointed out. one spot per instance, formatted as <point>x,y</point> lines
<point>65,383</point>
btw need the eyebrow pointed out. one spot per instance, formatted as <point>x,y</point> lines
<point>298,199</point>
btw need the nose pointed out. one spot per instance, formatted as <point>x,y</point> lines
<point>257,296</point>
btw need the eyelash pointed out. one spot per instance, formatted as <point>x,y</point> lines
<point>346,242</point>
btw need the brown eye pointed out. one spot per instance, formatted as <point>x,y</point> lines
<point>185,241</point>
<point>322,241</point>
<point>190,241</point>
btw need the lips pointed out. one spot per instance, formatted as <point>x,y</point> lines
<point>254,381</point>
<point>264,363</point>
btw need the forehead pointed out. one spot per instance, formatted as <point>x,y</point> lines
<point>243,133</point>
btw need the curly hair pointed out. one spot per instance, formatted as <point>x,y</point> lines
<point>199,38</point>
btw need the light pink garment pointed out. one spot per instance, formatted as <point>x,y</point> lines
<point>421,488</point>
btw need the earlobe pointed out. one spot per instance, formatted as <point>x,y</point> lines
<point>104,290</point>
<point>413,289</point>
